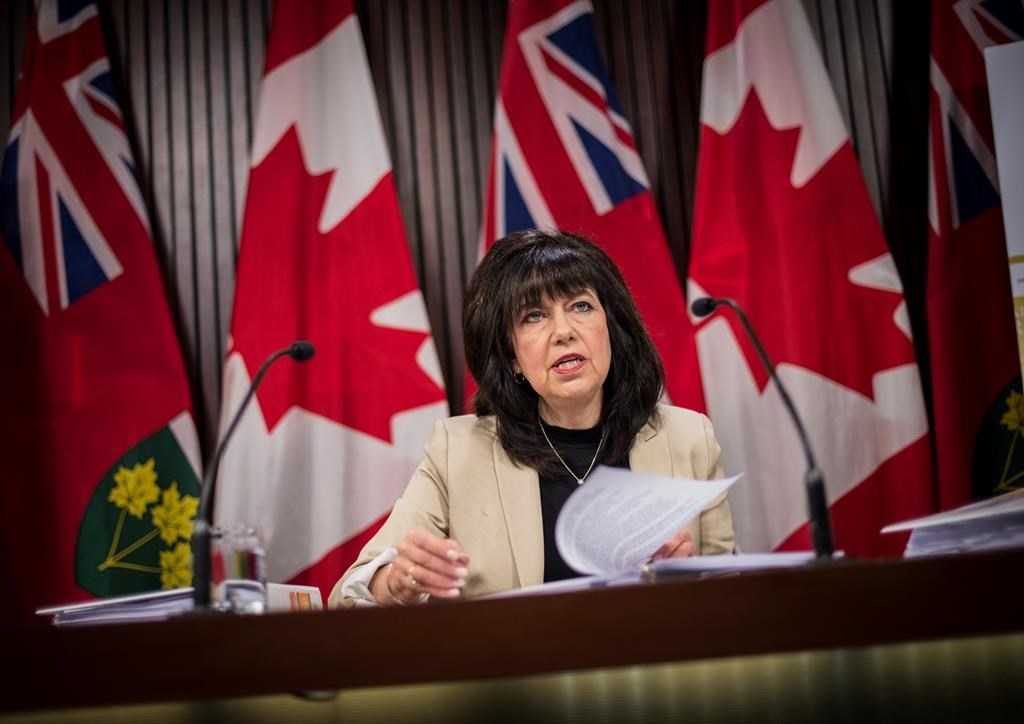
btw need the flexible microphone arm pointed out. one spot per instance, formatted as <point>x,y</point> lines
<point>300,351</point>
<point>817,504</point>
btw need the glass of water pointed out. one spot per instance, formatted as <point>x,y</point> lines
<point>238,568</point>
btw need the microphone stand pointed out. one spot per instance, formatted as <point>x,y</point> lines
<point>202,526</point>
<point>814,480</point>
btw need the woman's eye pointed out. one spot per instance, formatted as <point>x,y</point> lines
<point>582,306</point>
<point>532,317</point>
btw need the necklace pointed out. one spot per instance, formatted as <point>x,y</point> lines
<point>579,480</point>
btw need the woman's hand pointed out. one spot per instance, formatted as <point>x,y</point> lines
<point>426,565</point>
<point>678,546</point>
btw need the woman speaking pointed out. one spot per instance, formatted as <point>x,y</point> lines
<point>568,379</point>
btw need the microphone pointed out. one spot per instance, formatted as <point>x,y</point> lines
<point>704,306</point>
<point>817,504</point>
<point>300,351</point>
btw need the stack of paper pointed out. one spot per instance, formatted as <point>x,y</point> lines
<point>161,605</point>
<point>153,606</point>
<point>695,566</point>
<point>612,525</point>
<point>710,565</point>
<point>617,520</point>
<point>988,524</point>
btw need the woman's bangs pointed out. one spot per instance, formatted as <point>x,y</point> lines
<point>564,277</point>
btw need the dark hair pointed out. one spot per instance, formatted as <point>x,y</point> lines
<point>519,271</point>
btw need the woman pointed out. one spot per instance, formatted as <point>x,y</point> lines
<point>569,379</point>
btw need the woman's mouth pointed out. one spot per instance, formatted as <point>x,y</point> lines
<point>568,364</point>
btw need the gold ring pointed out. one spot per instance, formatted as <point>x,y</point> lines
<point>412,578</point>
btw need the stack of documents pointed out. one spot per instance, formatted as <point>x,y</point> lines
<point>988,524</point>
<point>669,568</point>
<point>153,606</point>
<point>616,521</point>
<point>611,526</point>
<point>161,605</point>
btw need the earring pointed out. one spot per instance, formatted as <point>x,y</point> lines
<point>518,377</point>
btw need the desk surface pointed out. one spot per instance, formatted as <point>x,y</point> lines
<point>840,604</point>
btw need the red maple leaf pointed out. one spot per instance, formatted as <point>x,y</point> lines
<point>785,253</point>
<point>297,283</point>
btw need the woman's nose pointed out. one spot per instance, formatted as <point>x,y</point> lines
<point>561,325</point>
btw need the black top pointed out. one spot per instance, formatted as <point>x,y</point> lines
<point>577,448</point>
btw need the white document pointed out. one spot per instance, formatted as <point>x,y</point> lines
<point>1003,64</point>
<point>985,525</point>
<point>711,565</point>
<point>1011,503</point>
<point>617,520</point>
<point>293,597</point>
<point>161,605</point>
<point>570,585</point>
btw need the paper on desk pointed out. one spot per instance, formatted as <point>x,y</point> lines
<point>161,605</point>
<point>1011,503</point>
<point>738,563</point>
<point>570,585</point>
<point>669,568</point>
<point>985,525</point>
<point>619,518</point>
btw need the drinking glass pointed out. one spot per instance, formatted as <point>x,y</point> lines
<point>238,567</point>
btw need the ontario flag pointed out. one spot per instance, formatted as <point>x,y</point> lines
<point>96,435</point>
<point>976,387</point>
<point>783,224</point>
<point>327,446</point>
<point>564,157</point>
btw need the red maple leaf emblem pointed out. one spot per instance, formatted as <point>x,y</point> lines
<point>297,283</point>
<point>785,253</point>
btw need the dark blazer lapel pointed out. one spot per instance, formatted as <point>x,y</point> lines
<point>519,490</point>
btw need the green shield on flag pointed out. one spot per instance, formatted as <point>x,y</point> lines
<point>136,531</point>
<point>998,459</point>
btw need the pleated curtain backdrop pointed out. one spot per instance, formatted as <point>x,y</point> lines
<point>189,74</point>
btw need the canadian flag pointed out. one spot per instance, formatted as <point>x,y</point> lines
<point>783,224</point>
<point>327,446</point>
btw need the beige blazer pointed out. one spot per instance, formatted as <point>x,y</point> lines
<point>467,489</point>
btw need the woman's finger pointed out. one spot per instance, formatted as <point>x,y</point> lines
<point>444,548</point>
<point>666,548</point>
<point>429,570</point>
<point>428,563</point>
<point>400,589</point>
<point>419,580</point>
<point>678,546</point>
<point>438,555</point>
<point>684,547</point>
<point>408,581</point>
<point>684,550</point>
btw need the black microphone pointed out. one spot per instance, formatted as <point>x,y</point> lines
<point>300,351</point>
<point>817,504</point>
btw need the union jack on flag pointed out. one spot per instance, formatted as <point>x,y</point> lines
<point>576,92</point>
<point>96,400</point>
<point>973,348</point>
<point>966,163</point>
<point>564,157</point>
<point>66,119</point>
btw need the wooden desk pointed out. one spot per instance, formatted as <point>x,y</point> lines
<point>839,606</point>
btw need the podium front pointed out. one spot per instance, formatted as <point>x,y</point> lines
<point>926,639</point>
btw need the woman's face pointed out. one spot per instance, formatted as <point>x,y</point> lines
<point>563,349</point>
